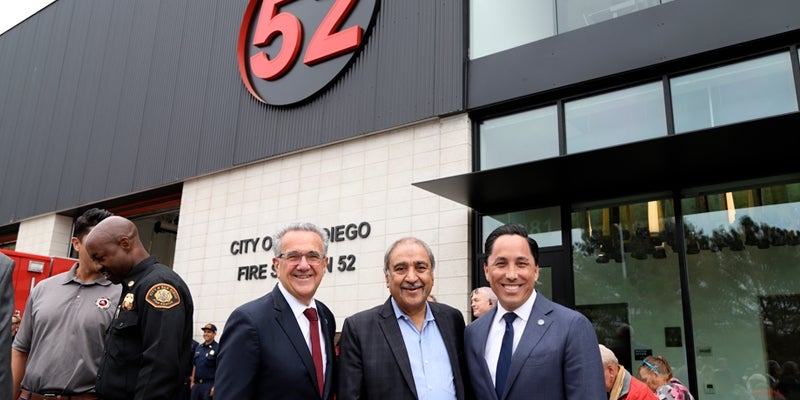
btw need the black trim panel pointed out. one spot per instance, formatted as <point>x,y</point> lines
<point>746,151</point>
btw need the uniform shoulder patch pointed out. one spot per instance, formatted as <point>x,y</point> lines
<point>162,295</point>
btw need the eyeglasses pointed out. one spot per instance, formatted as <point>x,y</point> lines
<point>648,364</point>
<point>293,257</point>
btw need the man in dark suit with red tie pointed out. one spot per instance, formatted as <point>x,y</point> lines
<point>280,346</point>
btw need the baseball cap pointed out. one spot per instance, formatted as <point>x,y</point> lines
<point>210,327</point>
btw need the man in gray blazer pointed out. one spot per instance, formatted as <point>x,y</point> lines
<point>407,348</point>
<point>6,311</point>
<point>546,351</point>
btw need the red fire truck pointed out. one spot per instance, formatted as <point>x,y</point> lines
<point>30,269</point>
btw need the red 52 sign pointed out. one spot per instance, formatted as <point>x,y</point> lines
<point>289,50</point>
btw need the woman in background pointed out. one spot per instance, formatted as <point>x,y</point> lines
<point>656,372</point>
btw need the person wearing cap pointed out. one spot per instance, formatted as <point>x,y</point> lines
<point>205,364</point>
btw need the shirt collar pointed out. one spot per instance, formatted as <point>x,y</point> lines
<point>71,277</point>
<point>296,306</point>
<point>139,270</point>
<point>398,313</point>
<point>523,312</point>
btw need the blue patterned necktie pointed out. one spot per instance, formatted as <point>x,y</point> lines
<point>504,361</point>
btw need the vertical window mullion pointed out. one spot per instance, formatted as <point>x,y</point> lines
<point>668,106</point>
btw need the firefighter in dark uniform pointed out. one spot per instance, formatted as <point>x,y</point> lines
<point>205,364</point>
<point>148,344</point>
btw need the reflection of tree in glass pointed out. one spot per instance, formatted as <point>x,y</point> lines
<point>781,319</point>
<point>732,268</point>
<point>643,242</point>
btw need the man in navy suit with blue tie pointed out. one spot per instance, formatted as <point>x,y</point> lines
<point>280,346</point>
<point>529,347</point>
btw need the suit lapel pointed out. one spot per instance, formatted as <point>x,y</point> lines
<point>536,327</point>
<point>288,323</point>
<point>391,331</point>
<point>447,330</point>
<point>325,321</point>
<point>479,339</point>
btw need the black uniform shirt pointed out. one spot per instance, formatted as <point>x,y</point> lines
<point>205,361</point>
<point>148,344</point>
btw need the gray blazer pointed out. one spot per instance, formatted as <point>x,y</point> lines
<point>373,361</point>
<point>6,311</point>
<point>556,359</point>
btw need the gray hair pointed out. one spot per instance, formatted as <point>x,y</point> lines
<point>300,226</point>
<point>608,356</point>
<point>485,290</point>
<point>407,240</point>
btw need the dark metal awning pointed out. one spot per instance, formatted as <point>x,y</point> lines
<point>766,148</point>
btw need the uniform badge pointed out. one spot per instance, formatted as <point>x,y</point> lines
<point>162,295</point>
<point>102,303</point>
<point>127,302</point>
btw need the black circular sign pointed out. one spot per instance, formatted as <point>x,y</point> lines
<point>289,50</point>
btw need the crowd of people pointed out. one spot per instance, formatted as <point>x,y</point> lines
<point>118,325</point>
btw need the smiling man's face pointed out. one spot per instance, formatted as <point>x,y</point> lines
<point>410,276</point>
<point>511,270</point>
<point>301,277</point>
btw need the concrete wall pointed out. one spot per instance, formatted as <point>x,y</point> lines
<point>47,234</point>
<point>363,180</point>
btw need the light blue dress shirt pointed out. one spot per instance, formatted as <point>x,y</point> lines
<point>430,364</point>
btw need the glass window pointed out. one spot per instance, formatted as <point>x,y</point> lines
<point>497,25</point>
<point>622,116</point>
<point>734,93</point>
<point>574,14</point>
<point>742,258</point>
<point>500,25</point>
<point>627,281</point>
<point>522,137</point>
<point>543,224</point>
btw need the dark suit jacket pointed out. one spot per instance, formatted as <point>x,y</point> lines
<point>263,354</point>
<point>557,357</point>
<point>6,310</point>
<point>373,361</point>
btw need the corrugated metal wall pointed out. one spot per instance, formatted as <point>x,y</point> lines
<point>101,98</point>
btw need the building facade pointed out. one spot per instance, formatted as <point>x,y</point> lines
<point>647,145</point>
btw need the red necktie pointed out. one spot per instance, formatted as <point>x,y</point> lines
<point>316,352</point>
